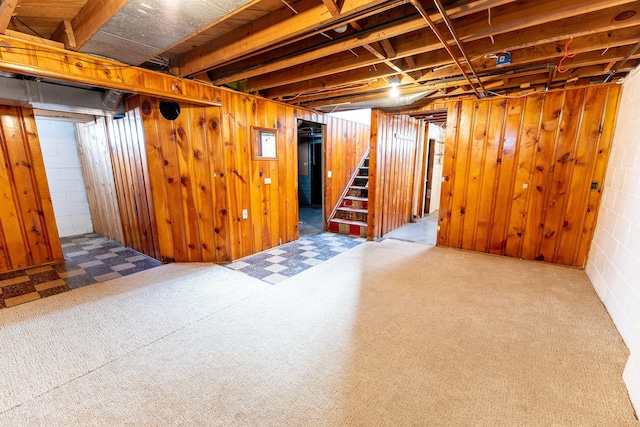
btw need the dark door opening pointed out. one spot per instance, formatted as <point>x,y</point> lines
<point>310,174</point>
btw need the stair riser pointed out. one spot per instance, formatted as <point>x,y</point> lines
<point>353,216</point>
<point>356,204</point>
<point>353,230</point>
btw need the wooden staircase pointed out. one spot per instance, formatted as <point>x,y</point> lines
<point>350,214</point>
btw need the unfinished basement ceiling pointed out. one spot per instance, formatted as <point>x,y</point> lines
<point>339,55</point>
<point>143,29</point>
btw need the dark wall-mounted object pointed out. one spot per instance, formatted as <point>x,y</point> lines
<point>170,110</point>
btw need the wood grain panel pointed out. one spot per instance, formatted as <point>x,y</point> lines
<point>394,143</point>
<point>28,233</point>
<point>131,172</point>
<point>531,179</point>
<point>97,171</point>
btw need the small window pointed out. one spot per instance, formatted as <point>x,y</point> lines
<point>264,143</point>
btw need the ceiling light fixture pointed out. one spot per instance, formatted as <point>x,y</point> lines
<point>341,29</point>
<point>394,82</point>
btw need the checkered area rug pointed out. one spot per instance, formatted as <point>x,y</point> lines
<point>89,258</point>
<point>278,264</point>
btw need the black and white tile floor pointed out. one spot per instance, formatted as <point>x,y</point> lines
<point>282,262</point>
<point>89,259</point>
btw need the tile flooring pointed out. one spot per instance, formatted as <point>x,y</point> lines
<point>284,261</point>
<point>89,259</point>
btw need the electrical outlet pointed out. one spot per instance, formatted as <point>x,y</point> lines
<point>267,180</point>
<point>328,174</point>
<point>245,214</point>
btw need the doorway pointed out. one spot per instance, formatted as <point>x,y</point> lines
<point>310,177</point>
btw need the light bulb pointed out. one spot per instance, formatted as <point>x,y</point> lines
<point>394,92</point>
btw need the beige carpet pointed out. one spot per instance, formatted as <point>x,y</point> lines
<point>386,334</point>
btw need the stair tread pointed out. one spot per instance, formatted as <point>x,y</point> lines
<point>349,221</point>
<point>350,209</point>
<point>357,198</point>
<point>358,187</point>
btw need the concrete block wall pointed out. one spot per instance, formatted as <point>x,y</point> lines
<point>614,258</point>
<point>64,173</point>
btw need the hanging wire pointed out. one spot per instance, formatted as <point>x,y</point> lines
<point>32,30</point>
<point>290,7</point>
<point>566,55</point>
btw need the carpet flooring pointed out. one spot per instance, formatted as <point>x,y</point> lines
<point>385,334</point>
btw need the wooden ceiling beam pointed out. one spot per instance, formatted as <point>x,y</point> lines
<point>93,15</point>
<point>519,43</point>
<point>283,24</point>
<point>420,41</point>
<point>7,8</point>
<point>332,7</point>
<point>65,34</point>
<point>44,61</point>
<point>530,13</point>
<point>276,27</point>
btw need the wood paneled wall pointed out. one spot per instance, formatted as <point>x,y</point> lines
<point>187,178</point>
<point>392,170</point>
<point>523,176</point>
<point>97,170</point>
<point>28,232</point>
<point>204,174</point>
<point>127,147</point>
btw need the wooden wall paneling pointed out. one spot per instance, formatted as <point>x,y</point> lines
<point>421,173</point>
<point>119,154</point>
<point>202,185</point>
<point>454,112</point>
<point>27,226</point>
<point>563,158</point>
<point>374,199</point>
<point>327,160</point>
<point>186,142</point>
<point>242,173</point>
<point>477,151</point>
<point>394,144</point>
<point>528,148</point>
<point>150,231</point>
<point>219,183</point>
<point>607,126</point>
<point>534,173</point>
<point>541,179</point>
<point>489,180</point>
<point>463,146</point>
<point>15,248</point>
<point>175,218</point>
<point>46,214</point>
<point>30,188</point>
<point>290,227</point>
<point>284,187</point>
<point>273,219</point>
<point>26,191</point>
<point>97,171</point>
<point>506,174</point>
<point>587,142</point>
<point>131,178</point>
<point>229,138</point>
<point>158,181</point>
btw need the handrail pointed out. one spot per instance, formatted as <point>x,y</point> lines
<point>346,188</point>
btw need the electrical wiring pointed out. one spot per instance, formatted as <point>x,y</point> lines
<point>566,55</point>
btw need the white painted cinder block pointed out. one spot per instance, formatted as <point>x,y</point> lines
<point>64,173</point>
<point>614,258</point>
